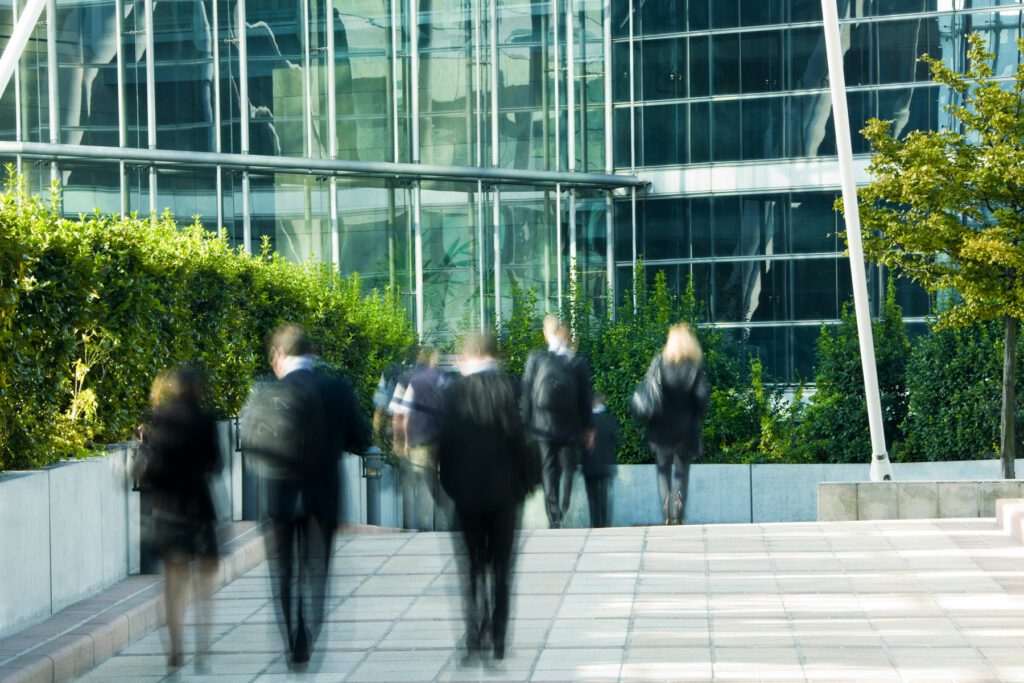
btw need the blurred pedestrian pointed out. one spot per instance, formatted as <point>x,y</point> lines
<point>671,400</point>
<point>556,407</point>
<point>299,426</point>
<point>600,460</point>
<point>180,452</point>
<point>487,468</point>
<point>417,409</point>
<point>394,373</point>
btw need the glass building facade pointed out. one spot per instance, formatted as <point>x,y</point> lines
<point>458,149</point>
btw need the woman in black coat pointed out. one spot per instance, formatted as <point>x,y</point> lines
<point>672,400</point>
<point>182,452</point>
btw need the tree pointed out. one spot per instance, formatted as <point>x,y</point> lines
<point>946,208</point>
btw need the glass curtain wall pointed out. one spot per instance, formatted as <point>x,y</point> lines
<point>513,84</point>
<point>724,84</point>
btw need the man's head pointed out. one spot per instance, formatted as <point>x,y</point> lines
<point>480,346</point>
<point>288,340</point>
<point>554,331</point>
<point>428,356</point>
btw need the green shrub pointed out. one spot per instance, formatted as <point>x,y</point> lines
<point>834,426</point>
<point>93,308</point>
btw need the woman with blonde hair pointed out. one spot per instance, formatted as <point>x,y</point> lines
<point>180,440</point>
<point>671,400</point>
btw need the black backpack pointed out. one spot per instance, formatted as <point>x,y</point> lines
<point>282,424</point>
<point>555,391</point>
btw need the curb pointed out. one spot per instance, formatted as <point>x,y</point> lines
<point>86,634</point>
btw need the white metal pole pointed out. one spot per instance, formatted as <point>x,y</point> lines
<point>570,86</point>
<point>414,78</point>
<point>332,134</point>
<point>151,100</point>
<point>609,163</point>
<point>23,27</point>
<point>122,124</point>
<point>53,74</point>
<point>558,98</point>
<point>881,470</point>
<point>243,112</point>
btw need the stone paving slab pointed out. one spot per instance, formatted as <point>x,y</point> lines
<point>939,600</point>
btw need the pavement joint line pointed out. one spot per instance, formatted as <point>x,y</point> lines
<point>561,601</point>
<point>367,651</point>
<point>632,612</point>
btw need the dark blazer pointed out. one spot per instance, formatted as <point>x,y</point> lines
<point>685,395</point>
<point>600,461</point>
<point>182,439</point>
<point>483,454</point>
<point>344,429</point>
<point>539,424</point>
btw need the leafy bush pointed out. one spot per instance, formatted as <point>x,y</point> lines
<point>835,424</point>
<point>92,309</point>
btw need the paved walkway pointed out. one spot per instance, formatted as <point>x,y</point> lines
<point>900,601</point>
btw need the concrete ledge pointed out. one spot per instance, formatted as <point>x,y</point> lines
<point>87,633</point>
<point>850,501</point>
<point>1010,517</point>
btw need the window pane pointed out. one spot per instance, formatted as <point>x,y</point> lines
<point>815,283</point>
<point>762,61</point>
<point>812,223</point>
<point>725,52</point>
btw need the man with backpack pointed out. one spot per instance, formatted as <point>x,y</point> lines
<point>298,426</point>
<point>556,407</point>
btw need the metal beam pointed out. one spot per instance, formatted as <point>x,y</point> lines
<point>23,28</point>
<point>341,167</point>
<point>881,470</point>
<point>151,99</point>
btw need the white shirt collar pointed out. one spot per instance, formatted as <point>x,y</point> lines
<point>477,365</point>
<point>600,409</point>
<point>559,347</point>
<point>292,363</point>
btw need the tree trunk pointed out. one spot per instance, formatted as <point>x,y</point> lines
<point>1007,432</point>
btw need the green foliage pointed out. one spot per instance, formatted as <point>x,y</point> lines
<point>946,208</point>
<point>92,309</point>
<point>835,426</point>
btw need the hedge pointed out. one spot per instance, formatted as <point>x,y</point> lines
<point>91,309</point>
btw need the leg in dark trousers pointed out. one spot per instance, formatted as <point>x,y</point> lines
<point>597,499</point>
<point>567,464</point>
<point>680,485</point>
<point>474,534</point>
<point>283,510</point>
<point>551,476</point>
<point>502,540</point>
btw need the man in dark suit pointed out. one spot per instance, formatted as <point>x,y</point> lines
<point>487,468</point>
<point>300,425</point>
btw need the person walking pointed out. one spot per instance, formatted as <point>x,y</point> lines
<point>487,468</point>
<point>556,407</point>
<point>299,425</point>
<point>671,400</point>
<point>180,452</point>
<point>417,407</point>
<point>599,462</point>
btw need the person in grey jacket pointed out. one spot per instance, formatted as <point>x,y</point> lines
<point>672,400</point>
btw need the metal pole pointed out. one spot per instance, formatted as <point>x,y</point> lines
<point>122,124</point>
<point>395,35</point>
<point>492,32</point>
<point>18,135</point>
<point>558,94</point>
<point>151,100</point>
<point>881,470</point>
<point>414,78</point>
<point>609,164</point>
<point>52,76</point>
<point>478,93</point>
<point>23,27</point>
<point>217,141</point>
<point>243,111</point>
<point>570,87</point>
<point>496,222</point>
<point>632,110</point>
<point>558,241</point>
<point>482,264</point>
<point>332,134</point>
<point>307,87</point>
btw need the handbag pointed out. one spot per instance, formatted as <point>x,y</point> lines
<point>648,401</point>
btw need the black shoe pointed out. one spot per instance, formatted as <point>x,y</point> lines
<point>300,651</point>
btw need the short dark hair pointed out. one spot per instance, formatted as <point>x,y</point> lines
<point>482,344</point>
<point>289,339</point>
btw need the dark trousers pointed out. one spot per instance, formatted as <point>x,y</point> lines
<point>303,541</point>
<point>558,463</point>
<point>673,463</point>
<point>597,499</point>
<point>489,537</point>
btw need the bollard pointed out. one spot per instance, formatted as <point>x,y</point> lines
<point>373,464</point>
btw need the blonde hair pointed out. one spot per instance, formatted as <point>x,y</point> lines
<point>681,346</point>
<point>553,326</point>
